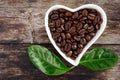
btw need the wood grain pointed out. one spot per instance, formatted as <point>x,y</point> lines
<point>15,65</point>
<point>33,11</point>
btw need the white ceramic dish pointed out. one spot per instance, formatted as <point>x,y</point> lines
<point>90,6</point>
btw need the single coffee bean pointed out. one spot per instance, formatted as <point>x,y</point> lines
<point>63,43</point>
<point>59,39</point>
<point>58,23</point>
<point>56,35</point>
<point>75,53</point>
<point>62,10</point>
<point>54,16</point>
<point>58,44</point>
<point>84,12</point>
<point>62,15</point>
<point>63,35</point>
<point>91,16</point>
<point>73,57</point>
<point>72,29</point>
<point>80,45</point>
<point>62,21</point>
<point>59,30</point>
<point>83,41</point>
<point>80,16</point>
<point>68,41</point>
<point>67,47</point>
<point>68,35</point>
<point>52,24</point>
<point>88,38</point>
<point>79,50</point>
<point>67,25</point>
<point>97,19</point>
<point>85,26</point>
<point>75,15</point>
<point>55,11</point>
<point>79,26</point>
<point>74,46</point>
<point>82,35</point>
<point>75,22</point>
<point>97,27</point>
<point>52,29</point>
<point>92,34</point>
<point>62,27</point>
<point>69,54</point>
<point>83,18</point>
<point>68,13</point>
<point>77,38</point>
<point>82,31</point>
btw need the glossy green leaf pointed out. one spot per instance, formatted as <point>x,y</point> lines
<point>99,59</point>
<point>46,61</point>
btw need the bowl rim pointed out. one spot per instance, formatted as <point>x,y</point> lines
<point>98,34</point>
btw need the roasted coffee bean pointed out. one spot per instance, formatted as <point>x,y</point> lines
<point>87,37</point>
<point>58,23</point>
<point>74,46</point>
<point>54,16</point>
<point>52,24</point>
<point>59,30</point>
<point>62,15</point>
<point>68,13</point>
<point>62,27</point>
<point>75,22</point>
<point>82,31</point>
<point>55,11</point>
<point>83,18</point>
<point>67,47</point>
<point>67,25</point>
<point>91,16</point>
<point>62,10</point>
<point>69,54</point>
<point>63,35</point>
<point>52,29</point>
<point>56,35</point>
<point>92,34</point>
<point>77,38</point>
<point>84,12</point>
<point>79,26</point>
<point>68,36</point>
<point>68,41</point>
<point>73,30</point>
<point>97,19</point>
<point>80,16</point>
<point>75,53</point>
<point>79,50</point>
<point>58,44</point>
<point>80,45</point>
<point>85,26</point>
<point>97,27</point>
<point>83,41</point>
<point>59,39</point>
<point>63,43</point>
<point>62,21</point>
<point>75,15</point>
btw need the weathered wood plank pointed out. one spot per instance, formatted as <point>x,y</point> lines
<point>15,65</point>
<point>15,30</point>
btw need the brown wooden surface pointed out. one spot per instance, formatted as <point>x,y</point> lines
<point>22,24</point>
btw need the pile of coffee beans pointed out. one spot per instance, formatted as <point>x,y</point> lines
<point>73,30</point>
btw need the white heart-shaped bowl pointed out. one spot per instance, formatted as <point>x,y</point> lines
<point>99,32</point>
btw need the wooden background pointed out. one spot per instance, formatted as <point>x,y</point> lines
<point>22,24</point>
